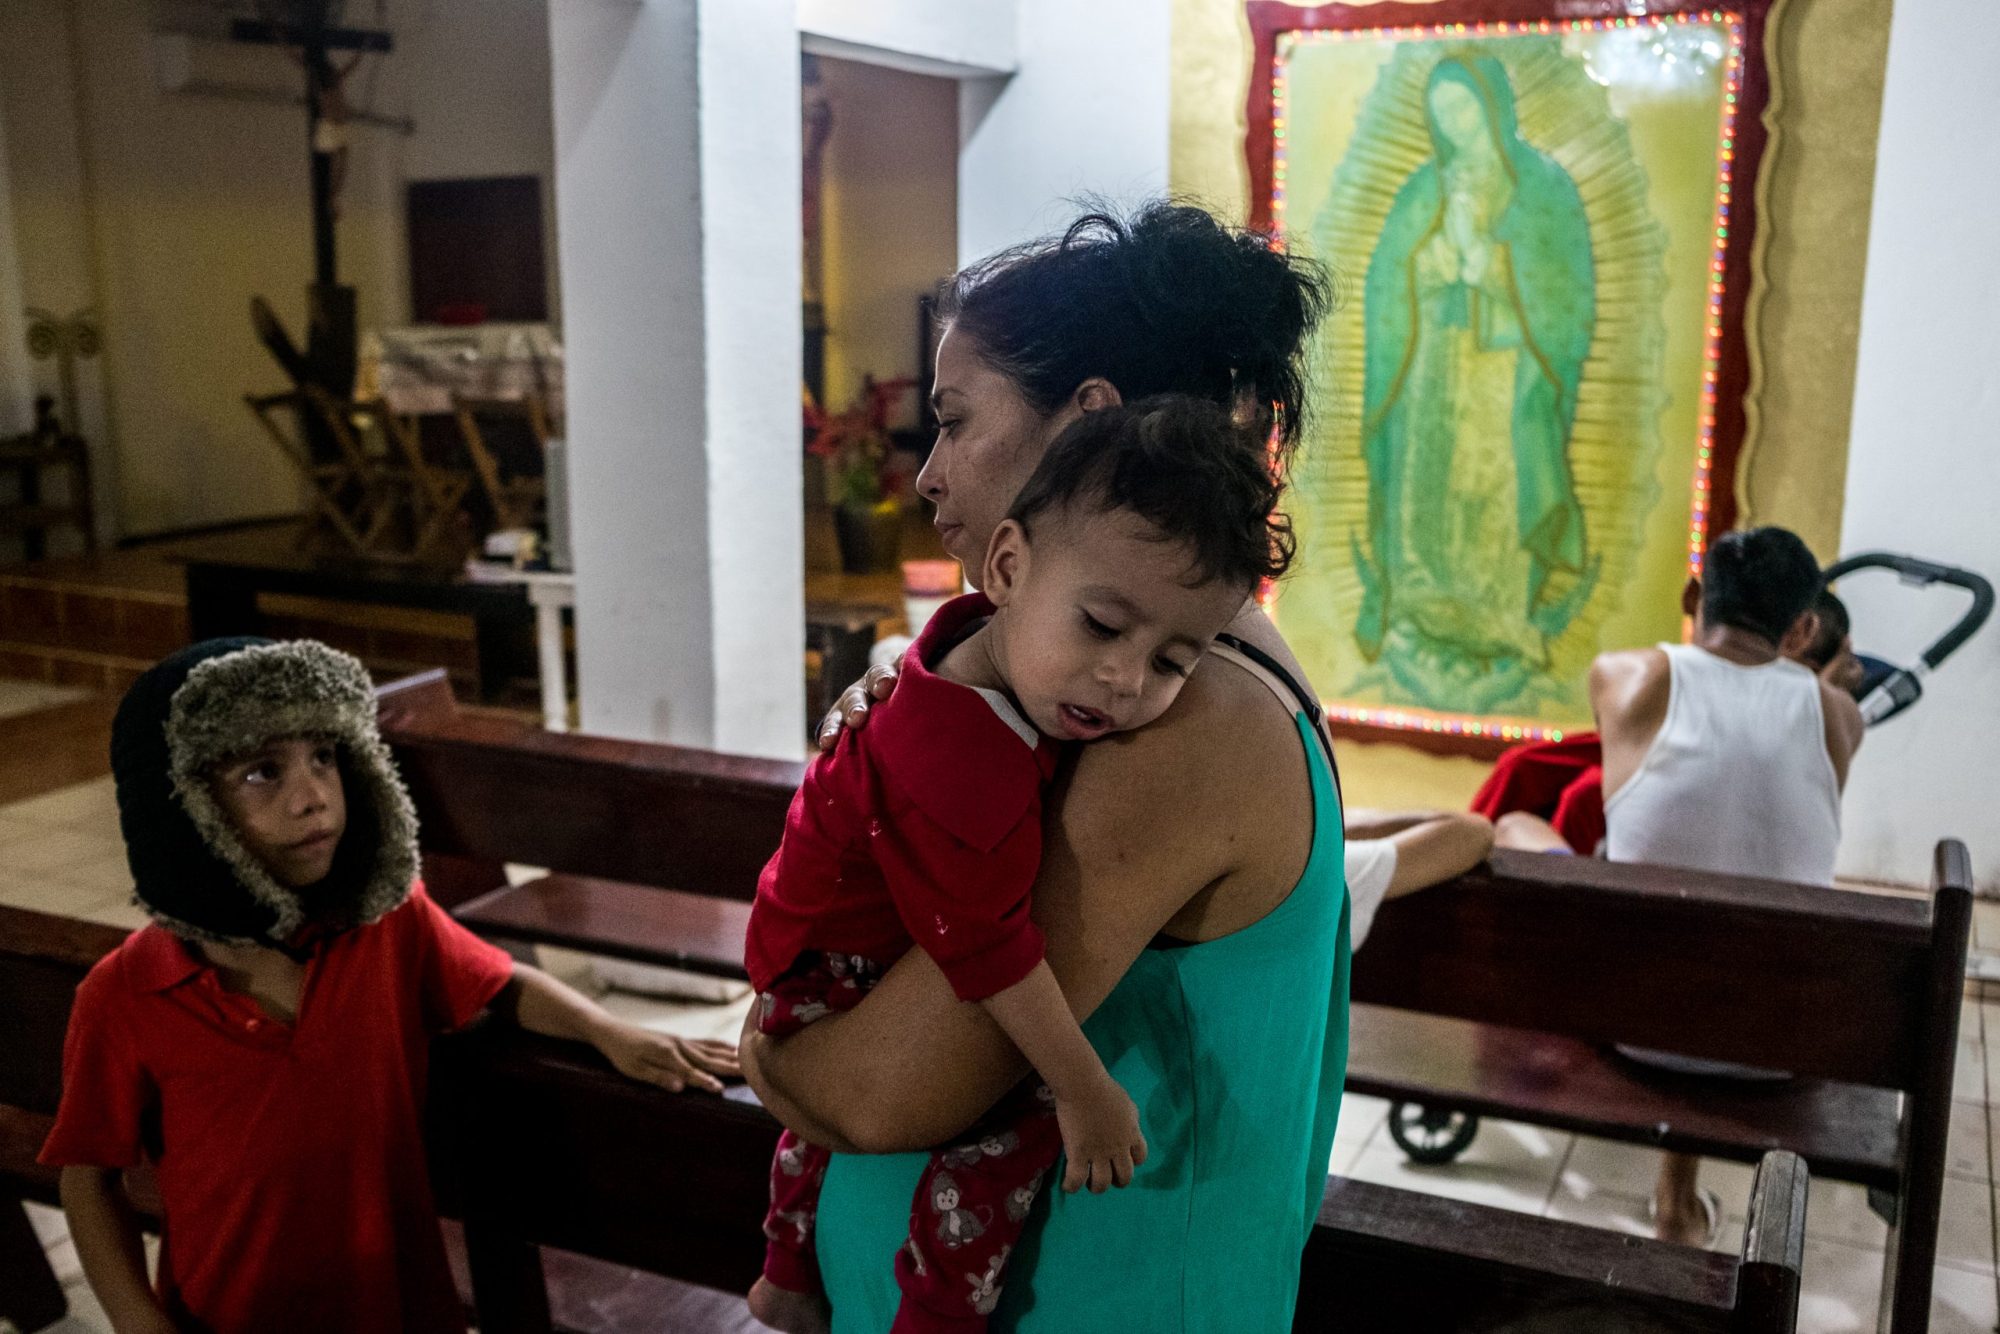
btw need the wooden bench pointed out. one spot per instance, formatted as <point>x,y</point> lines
<point>552,1150</point>
<point>1500,994</point>
<point>1497,995</point>
<point>626,1196</point>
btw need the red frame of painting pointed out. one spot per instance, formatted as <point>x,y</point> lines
<point>1268,18</point>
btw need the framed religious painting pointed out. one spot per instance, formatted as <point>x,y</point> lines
<point>1537,214</point>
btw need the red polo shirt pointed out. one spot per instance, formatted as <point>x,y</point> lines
<point>925,825</point>
<point>290,1157</point>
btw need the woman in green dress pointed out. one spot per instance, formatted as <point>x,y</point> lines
<point>1191,888</point>
<point>1479,307</point>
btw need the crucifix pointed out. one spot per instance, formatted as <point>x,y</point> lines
<point>311,30</point>
<point>314,38</point>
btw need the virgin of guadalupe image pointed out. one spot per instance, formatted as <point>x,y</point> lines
<point>1479,307</point>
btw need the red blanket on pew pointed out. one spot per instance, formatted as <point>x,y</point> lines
<point>1561,781</point>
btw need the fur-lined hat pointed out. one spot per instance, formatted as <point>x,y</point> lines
<point>222,699</point>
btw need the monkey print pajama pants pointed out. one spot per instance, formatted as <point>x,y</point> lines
<point>971,1202</point>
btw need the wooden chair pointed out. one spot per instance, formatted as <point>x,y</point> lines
<point>48,445</point>
<point>507,453</point>
<point>369,481</point>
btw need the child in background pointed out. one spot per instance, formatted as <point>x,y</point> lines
<point>1132,546</point>
<point>265,1041</point>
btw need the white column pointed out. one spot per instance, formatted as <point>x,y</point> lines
<point>677,201</point>
<point>1923,473</point>
<point>16,381</point>
<point>1085,114</point>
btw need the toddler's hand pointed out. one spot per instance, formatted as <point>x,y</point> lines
<point>663,1059</point>
<point>1100,1133</point>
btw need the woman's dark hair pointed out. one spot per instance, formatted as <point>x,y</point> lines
<point>1760,580</point>
<point>1183,465</point>
<point>1168,301</point>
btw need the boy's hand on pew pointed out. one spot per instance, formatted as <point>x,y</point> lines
<point>1101,1138</point>
<point>541,1004</point>
<point>663,1059</point>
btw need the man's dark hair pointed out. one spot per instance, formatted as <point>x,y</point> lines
<point>1760,580</point>
<point>1833,630</point>
<point>1183,465</point>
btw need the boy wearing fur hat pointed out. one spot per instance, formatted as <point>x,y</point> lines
<point>265,1042</point>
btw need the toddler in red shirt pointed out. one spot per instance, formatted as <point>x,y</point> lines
<point>1134,543</point>
<point>264,1043</point>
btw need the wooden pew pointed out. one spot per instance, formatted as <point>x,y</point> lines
<point>42,958</point>
<point>1499,995</point>
<point>550,1149</point>
<point>626,1196</point>
<point>1496,995</point>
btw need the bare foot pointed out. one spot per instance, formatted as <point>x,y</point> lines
<point>792,1312</point>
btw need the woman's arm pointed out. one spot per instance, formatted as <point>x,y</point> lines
<point>106,1233</point>
<point>1130,842</point>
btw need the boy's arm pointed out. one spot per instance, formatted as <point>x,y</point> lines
<point>543,1005</point>
<point>1099,1123</point>
<point>107,1237</point>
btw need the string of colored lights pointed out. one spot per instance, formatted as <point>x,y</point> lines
<point>1444,724</point>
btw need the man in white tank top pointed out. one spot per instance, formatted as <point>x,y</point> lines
<point>1724,755</point>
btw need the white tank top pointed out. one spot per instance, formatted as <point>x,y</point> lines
<point>1738,780</point>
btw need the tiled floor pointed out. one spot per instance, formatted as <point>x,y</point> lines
<point>60,852</point>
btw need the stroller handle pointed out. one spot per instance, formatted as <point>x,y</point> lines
<point>1924,573</point>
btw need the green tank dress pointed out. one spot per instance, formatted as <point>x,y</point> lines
<point>1234,1050</point>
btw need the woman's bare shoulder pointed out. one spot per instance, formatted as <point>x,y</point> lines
<point>1213,797</point>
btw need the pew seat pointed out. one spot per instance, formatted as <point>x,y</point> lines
<point>537,1144</point>
<point>666,927</point>
<point>1846,1131</point>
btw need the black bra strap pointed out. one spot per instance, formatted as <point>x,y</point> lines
<point>1314,713</point>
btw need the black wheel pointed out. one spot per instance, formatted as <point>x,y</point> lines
<point>1431,1135</point>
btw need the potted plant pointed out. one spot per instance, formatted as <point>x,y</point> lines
<point>864,476</point>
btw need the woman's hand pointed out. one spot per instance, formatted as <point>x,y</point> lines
<point>667,1061</point>
<point>851,709</point>
<point>1101,1138</point>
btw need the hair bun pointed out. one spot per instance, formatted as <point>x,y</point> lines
<point>1167,301</point>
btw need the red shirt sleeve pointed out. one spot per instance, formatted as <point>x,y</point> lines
<point>461,973</point>
<point>107,1095</point>
<point>967,907</point>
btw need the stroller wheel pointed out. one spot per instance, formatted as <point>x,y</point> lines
<point>1431,1135</point>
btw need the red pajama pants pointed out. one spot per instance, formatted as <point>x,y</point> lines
<point>971,1202</point>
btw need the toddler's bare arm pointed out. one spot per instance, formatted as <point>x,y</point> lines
<point>1100,1126</point>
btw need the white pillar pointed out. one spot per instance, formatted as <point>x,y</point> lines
<point>1085,114</point>
<point>1923,473</point>
<point>677,202</point>
<point>16,381</point>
